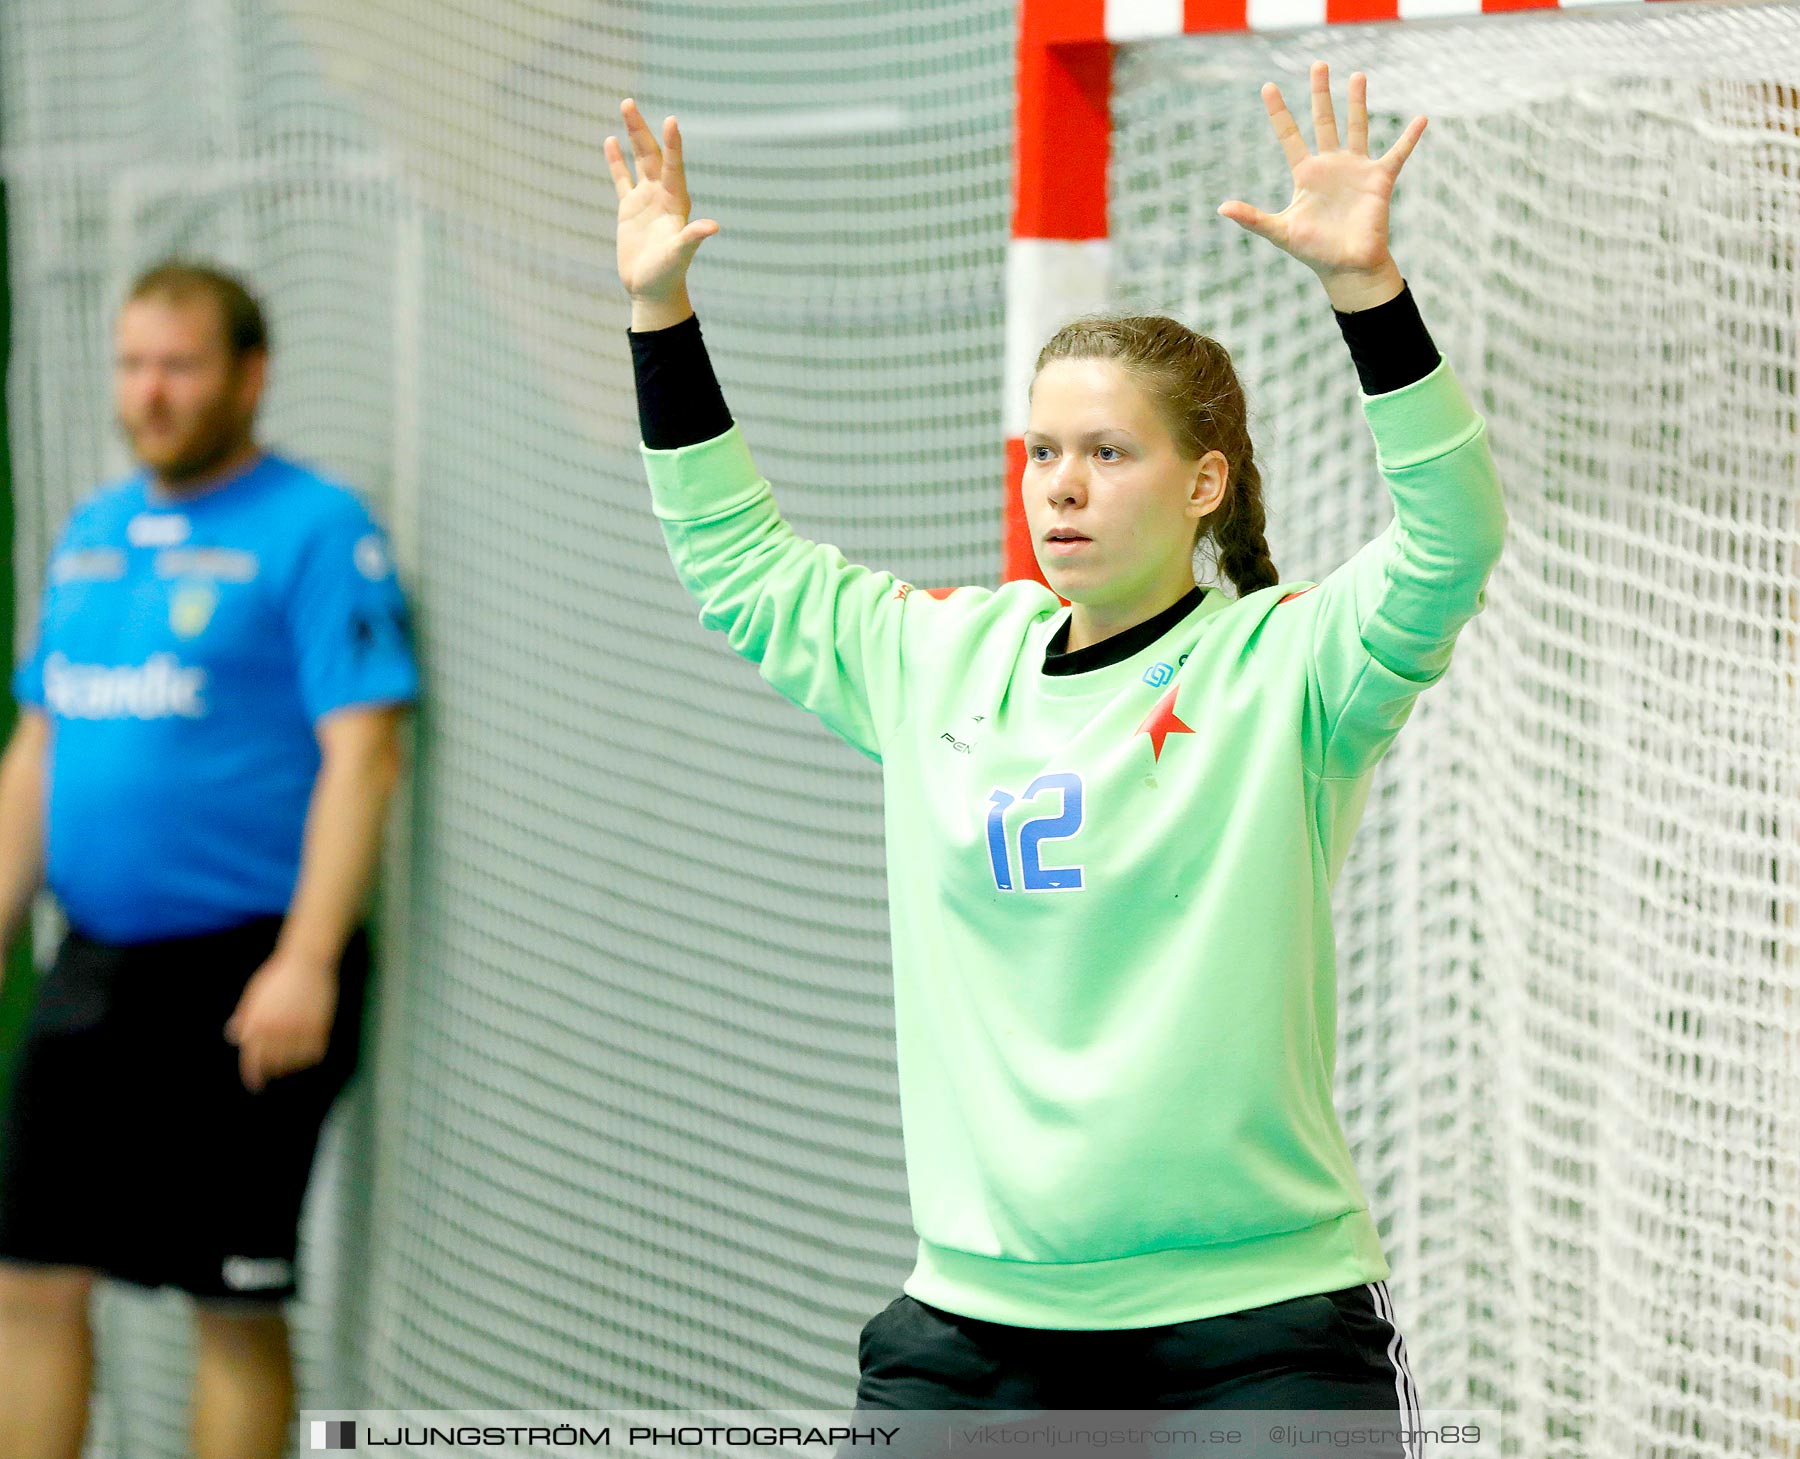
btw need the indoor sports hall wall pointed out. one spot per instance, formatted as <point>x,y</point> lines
<point>633,1114</point>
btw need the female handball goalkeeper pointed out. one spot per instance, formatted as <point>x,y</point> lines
<point>1113,825</point>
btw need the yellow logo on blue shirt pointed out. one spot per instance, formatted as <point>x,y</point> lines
<point>191,608</point>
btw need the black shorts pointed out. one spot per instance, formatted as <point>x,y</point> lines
<point>131,1144</point>
<point>1335,1351</point>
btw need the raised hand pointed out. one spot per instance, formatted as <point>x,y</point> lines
<point>1337,221</point>
<point>656,240</point>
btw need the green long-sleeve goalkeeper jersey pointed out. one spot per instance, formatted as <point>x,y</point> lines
<point>1114,970</point>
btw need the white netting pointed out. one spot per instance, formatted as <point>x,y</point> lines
<point>631,1135</point>
<point>634,1125</point>
<point>1571,1034</point>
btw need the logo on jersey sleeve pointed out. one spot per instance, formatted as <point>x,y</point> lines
<point>385,623</point>
<point>901,590</point>
<point>159,688</point>
<point>372,559</point>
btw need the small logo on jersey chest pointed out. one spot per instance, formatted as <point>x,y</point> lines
<point>157,529</point>
<point>191,608</point>
<point>1162,722</point>
<point>961,746</point>
<point>222,564</point>
<point>90,565</point>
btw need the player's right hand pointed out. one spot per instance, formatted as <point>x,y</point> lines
<point>656,241</point>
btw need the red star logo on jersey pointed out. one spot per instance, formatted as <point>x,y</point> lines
<point>1161,722</point>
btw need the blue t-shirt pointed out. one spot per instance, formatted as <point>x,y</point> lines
<point>185,652</point>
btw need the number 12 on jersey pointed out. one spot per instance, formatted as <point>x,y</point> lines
<point>1052,825</point>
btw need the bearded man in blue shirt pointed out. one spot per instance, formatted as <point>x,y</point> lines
<point>208,738</point>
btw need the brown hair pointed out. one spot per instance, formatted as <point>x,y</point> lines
<point>1199,396</point>
<point>180,279</point>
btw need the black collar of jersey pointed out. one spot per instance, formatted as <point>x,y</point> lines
<point>1121,646</point>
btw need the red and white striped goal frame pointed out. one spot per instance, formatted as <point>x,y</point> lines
<point>1057,262</point>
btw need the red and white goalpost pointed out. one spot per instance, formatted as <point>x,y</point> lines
<point>1058,262</point>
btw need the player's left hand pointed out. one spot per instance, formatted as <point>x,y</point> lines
<point>283,1020</point>
<point>1337,222</point>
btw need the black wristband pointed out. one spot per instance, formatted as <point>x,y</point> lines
<point>678,396</point>
<point>1389,343</point>
<point>680,402</point>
